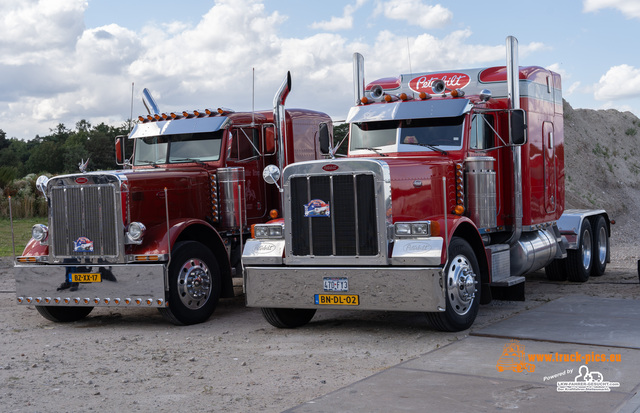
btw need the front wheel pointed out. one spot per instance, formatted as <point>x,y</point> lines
<point>462,278</point>
<point>194,284</point>
<point>288,317</point>
<point>63,314</point>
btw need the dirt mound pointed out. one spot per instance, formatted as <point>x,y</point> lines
<point>602,166</point>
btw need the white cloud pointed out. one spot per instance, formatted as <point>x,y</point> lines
<point>571,89</point>
<point>416,12</point>
<point>340,23</point>
<point>630,8</point>
<point>620,82</point>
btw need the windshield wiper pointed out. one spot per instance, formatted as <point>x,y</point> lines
<point>198,161</point>
<point>426,145</point>
<point>376,150</point>
<point>152,163</point>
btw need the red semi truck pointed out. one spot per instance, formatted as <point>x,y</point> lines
<point>452,190</point>
<point>167,230</point>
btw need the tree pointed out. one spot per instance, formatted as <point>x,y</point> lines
<point>46,157</point>
<point>339,133</point>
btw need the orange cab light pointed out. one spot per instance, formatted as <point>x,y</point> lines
<point>458,210</point>
<point>141,118</point>
<point>253,230</point>
<point>196,113</point>
<point>165,116</point>
<point>424,95</point>
<point>185,114</point>
<point>364,100</point>
<point>457,93</point>
<point>388,98</point>
<point>208,111</point>
<point>403,96</point>
<point>435,228</point>
<point>220,111</point>
<point>173,115</point>
<point>156,116</point>
<point>273,213</point>
<point>149,117</point>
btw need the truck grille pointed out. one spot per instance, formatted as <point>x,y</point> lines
<point>350,230</point>
<point>87,211</point>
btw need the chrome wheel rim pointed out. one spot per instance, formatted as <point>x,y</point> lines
<point>461,285</point>
<point>194,283</point>
<point>602,245</point>
<point>586,249</point>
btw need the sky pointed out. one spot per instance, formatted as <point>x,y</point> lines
<point>62,61</point>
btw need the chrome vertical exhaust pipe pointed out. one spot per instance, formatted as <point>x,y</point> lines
<point>358,77</point>
<point>279,118</point>
<point>513,88</point>
<point>149,102</point>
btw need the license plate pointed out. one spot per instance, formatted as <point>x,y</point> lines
<point>336,299</point>
<point>85,277</point>
<point>335,284</point>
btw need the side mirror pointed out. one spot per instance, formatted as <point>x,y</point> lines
<point>324,139</point>
<point>518,127</point>
<point>120,150</point>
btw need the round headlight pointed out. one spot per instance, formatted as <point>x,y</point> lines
<point>136,231</point>
<point>39,232</point>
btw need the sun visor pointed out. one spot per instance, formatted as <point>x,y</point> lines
<point>178,126</point>
<point>415,109</point>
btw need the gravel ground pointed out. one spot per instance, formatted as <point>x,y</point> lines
<point>131,360</point>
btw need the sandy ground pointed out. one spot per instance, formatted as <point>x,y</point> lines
<point>131,360</point>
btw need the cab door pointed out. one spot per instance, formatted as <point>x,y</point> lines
<point>550,173</point>
<point>245,150</point>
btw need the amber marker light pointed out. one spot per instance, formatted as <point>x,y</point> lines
<point>403,96</point>
<point>364,100</point>
<point>273,213</point>
<point>458,210</point>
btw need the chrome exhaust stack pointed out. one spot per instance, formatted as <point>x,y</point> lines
<point>279,118</point>
<point>358,77</point>
<point>149,102</point>
<point>513,88</point>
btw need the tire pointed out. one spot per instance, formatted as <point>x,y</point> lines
<point>580,261</point>
<point>556,270</point>
<point>462,276</point>
<point>288,317</point>
<point>63,314</point>
<point>194,284</point>
<point>600,246</point>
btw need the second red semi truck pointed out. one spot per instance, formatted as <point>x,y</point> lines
<point>453,189</point>
<point>167,230</point>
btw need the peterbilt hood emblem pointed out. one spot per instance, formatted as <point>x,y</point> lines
<point>317,208</point>
<point>83,244</point>
<point>451,80</point>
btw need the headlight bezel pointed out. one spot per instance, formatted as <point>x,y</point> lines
<point>269,231</point>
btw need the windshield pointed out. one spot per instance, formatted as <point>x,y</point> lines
<point>446,132</point>
<point>186,147</point>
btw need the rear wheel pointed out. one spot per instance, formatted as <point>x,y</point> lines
<point>462,276</point>
<point>600,246</point>
<point>288,317</point>
<point>63,314</point>
<point>580,261</point>
<point>194,284</point>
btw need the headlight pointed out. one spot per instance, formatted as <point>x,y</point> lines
<point>39,232</point>
<point>413,229</point>
<point>135,232</point>
<point>269,231</point>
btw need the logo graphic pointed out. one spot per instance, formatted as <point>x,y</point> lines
<point>330,167</point>
<point>586,380</point>
<point>451,81</point>
<point>513,358</point>
<point>83,244</point>
<point>317,208</point>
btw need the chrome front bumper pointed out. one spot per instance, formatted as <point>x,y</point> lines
<point>121,285</point>
<point>378,288</point>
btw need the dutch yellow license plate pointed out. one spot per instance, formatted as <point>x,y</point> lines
<point>86,277</point>
<point>336,299</point>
